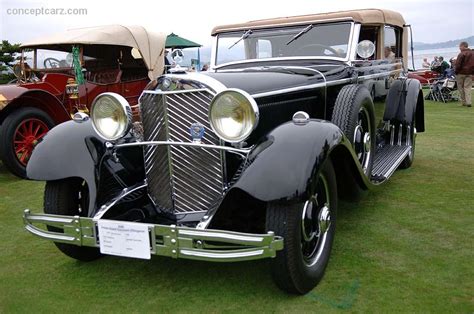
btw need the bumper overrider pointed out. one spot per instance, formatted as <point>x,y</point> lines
<point>171,241</point>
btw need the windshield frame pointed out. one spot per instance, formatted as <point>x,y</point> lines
<point>35,49</point>
<point>347,58</point>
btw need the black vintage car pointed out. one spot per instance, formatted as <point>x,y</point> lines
<point>243,162</point>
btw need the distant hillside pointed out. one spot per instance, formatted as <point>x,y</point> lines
<point>445,44</point>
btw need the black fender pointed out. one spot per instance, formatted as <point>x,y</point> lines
<point>415,104</point>
<point>404,102</point>
<point>283,167</point>
<point>71,149</point>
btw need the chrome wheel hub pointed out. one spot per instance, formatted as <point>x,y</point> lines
<point>324,219</point>
<point>362,141</point>
<point>315,223</point>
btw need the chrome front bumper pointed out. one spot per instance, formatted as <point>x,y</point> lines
<point>172,241</point>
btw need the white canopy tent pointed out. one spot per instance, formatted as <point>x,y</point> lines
<point>151,45</point>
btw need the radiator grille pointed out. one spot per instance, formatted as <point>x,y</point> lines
<point>180,179</point>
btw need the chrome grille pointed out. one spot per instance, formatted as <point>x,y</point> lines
<point>180,179</point>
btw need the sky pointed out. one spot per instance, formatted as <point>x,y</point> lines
<point>432,21</point>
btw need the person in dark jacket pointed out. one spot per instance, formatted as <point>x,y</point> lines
<point>464,70</point>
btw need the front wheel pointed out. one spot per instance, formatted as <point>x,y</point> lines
<point>308,231</point>
<point>20,132</point>
<point>69,197</point>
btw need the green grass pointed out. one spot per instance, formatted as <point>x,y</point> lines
<point>407,246</point>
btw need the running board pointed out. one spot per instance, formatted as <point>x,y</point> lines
<point>387,160</point>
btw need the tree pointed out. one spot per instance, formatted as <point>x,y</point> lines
<point>7,57</point>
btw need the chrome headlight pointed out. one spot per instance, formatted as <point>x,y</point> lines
<point>111,116</point>
<point>233,115</point>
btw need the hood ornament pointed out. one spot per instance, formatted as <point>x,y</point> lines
<point>197,131</point>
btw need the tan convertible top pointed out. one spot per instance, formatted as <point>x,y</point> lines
<point>366,16</point>
<point>150,44</point>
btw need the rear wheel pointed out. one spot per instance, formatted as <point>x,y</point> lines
<point>69,197</point>
<point>20,132</point>
<point>308,231</point>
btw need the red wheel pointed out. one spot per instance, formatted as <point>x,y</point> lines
<point>20,132</point>
<point>27,135</point>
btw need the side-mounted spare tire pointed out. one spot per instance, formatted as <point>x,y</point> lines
<point>69,197</point>
<point>20,132</point>
<point>354,114</point>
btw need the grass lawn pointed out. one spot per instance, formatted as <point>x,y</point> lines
<point>408,246</point>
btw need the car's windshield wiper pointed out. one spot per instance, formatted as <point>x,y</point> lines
<point>244,36</point>
<point>304,31</point>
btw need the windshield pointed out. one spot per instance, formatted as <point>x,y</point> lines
<point>47,59</point>
<point>323,40</point>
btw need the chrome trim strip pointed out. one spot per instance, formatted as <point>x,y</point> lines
<point>178,91</point>
<point>280,59</point>
<point>223,255</point>
<point>50,235</point>
<point>46,219</point>
<point>213,53</point>
<point>289,90</point>
<point>328,83</point>
<point>190,144</point>
<point>377,75</point>
<point>354,39</point>
<point>222,236</point>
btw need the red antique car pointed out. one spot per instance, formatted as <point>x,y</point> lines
<point>61,75</point>
<point>425,76</point>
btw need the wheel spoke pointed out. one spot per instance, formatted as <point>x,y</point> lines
<point>25,157</point>
<point>38,127</point>
<point>41,135</point>
<point>20,149</point>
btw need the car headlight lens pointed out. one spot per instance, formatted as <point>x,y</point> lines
<point>111,116</point>
<point>233,115</point>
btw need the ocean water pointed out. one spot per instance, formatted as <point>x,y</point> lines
<point>446,53</point>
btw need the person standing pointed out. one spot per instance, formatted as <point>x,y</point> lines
<point>464,68</point>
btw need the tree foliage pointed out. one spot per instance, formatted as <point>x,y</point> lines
<point>8,56</point>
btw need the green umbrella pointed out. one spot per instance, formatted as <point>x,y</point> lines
<point>175,42</point>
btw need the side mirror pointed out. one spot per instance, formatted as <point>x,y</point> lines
<point>365,49</point>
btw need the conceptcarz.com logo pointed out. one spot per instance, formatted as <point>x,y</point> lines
<point>46,11</point>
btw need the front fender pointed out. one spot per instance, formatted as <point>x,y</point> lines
<point>70,149</point>
<point>285,164</point>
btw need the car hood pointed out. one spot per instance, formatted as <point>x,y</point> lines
<point>266,79</point>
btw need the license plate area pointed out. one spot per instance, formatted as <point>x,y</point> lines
<point>121,238</point>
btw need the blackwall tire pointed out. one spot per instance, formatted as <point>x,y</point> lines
<point>68,197</point>
<point>354,114</point>
<point>299,267</point>
<point>15,128</point>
